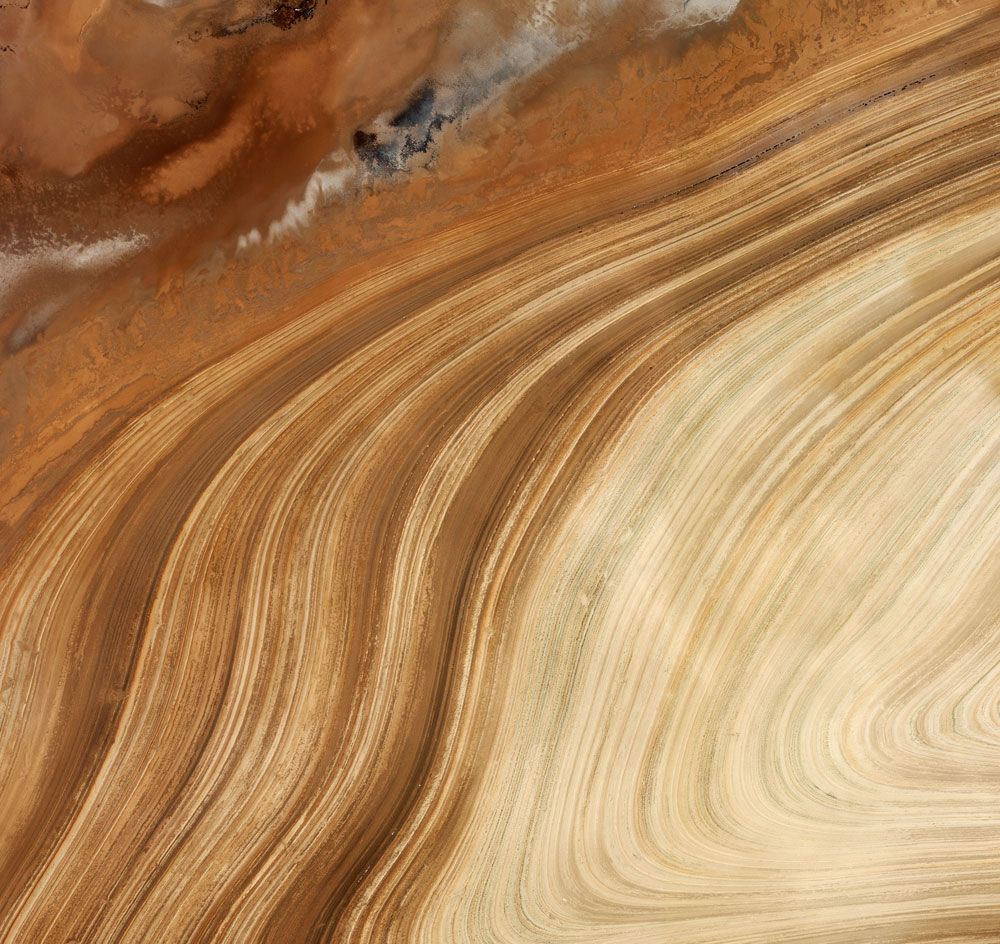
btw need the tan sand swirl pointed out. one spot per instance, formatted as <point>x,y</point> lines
<point>611,555</point>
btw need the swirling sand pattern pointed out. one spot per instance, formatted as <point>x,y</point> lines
<point>616,566</point>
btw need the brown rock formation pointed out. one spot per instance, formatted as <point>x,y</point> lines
<point>500,472</point>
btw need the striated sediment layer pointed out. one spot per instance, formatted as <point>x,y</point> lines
<point>500,472</point>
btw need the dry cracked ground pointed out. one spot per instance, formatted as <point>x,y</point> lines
<point>499,471</point>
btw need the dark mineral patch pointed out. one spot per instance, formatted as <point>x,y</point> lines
<point>285,14</point>
<point>418,110</point>
<point>376,155</point>
<point>391,144</point>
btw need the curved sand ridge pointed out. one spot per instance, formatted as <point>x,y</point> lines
<point>616,566</point>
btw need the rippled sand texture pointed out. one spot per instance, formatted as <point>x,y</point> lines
<point>502,473</point>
